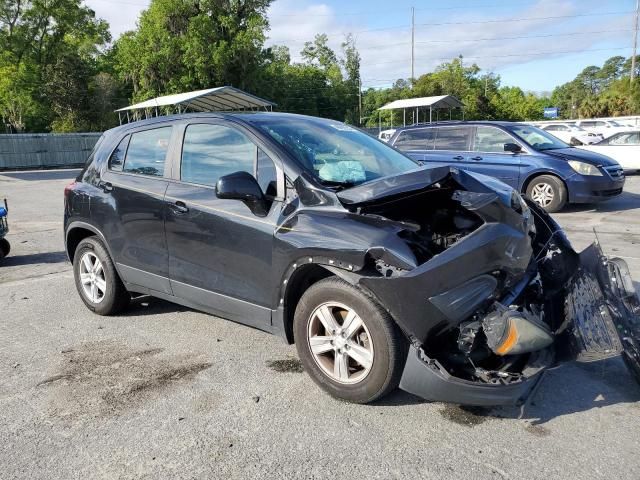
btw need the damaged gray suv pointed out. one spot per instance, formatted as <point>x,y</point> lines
<point>444,282</point>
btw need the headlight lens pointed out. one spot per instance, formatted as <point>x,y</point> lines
<point>585,168</point>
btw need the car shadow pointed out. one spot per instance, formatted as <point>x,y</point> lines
<point>147,305</point>
<point>34,258</point>
<point>576,387</point>
<point>625,201</point>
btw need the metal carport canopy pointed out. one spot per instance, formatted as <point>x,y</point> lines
<point>440,101</point>
<point>208,100</point>
<point>437,102</point>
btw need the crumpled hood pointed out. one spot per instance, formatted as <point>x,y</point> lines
<point>582,155</point>
<point>420,179</point>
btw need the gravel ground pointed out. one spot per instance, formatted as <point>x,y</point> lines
<point>167,392</point>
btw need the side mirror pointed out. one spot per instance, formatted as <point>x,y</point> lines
<point>512,147</point>
<point>243,186</point>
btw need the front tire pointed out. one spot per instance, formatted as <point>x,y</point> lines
<point>97,280</point>
<point>549,192</point>
<point>347,342</point>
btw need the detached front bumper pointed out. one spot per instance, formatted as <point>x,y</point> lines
<point>428,379</point>
<point>602,319</point>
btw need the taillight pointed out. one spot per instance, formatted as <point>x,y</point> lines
<point>68,188</point>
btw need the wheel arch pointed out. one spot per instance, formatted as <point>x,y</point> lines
<point>294,287</point>
<point>539,173</point>
<point>78,231</point>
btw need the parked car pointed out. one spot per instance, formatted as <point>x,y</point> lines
<point>572,134</point>
<point>5,246</point>
<point>385,135</point>
<point>384,273</point>
<point>525,157</point>
<point>623,147</point>
<point>606,128</point>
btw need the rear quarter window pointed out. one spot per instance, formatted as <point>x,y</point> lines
<point>116,160</point>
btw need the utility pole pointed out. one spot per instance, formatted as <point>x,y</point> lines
<point>360,100</point>
<point>413,41</point>
<point>635,43</point>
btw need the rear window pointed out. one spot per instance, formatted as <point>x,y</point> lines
<point>453,138</point>
<point>422,139</point>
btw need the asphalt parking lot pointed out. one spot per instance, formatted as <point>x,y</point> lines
<point>167,392</point>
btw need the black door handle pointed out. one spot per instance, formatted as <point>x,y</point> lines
<point>458,157</point>
<point>178,207</point>
<point>107,187</point>
<point>477,159</point>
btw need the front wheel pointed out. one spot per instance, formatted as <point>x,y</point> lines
<point>549,192</point>
<point>347,342</point>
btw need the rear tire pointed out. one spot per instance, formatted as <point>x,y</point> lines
<point>549,192</point>
<point>362,358</point>
<point>5,248</point>
<point>97,280</point>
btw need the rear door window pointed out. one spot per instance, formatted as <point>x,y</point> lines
<point>421,139</point>
<point>147,152</point>
<point>453,138</point>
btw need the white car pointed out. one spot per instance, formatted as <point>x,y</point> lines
<point>623,147</point>
<point>385,135</point>
<point>606,128</point>
<point>572,134</point>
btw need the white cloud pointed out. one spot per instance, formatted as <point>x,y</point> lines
<point>440,34</point>
<point>386,53</point>
<point>122,15</point>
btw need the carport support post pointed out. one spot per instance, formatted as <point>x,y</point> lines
<point>417,118</point>
<point>430,113</point>
<point>379,121</point>
<point>404,117</point>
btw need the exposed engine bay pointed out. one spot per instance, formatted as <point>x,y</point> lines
<point>433,219</point>
<point>497,324</point>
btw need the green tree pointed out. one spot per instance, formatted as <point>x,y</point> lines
<point>38,39</point>
<point>186,45</point>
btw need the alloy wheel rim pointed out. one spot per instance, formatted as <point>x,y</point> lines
<point>542,194</point>
<point>340,343</point>
<point>92,277</point>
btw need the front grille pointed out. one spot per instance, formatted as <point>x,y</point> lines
<point>615,171</point>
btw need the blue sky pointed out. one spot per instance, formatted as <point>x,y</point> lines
<point>534,44</point>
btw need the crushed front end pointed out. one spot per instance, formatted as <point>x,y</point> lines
<point>493,292</point>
